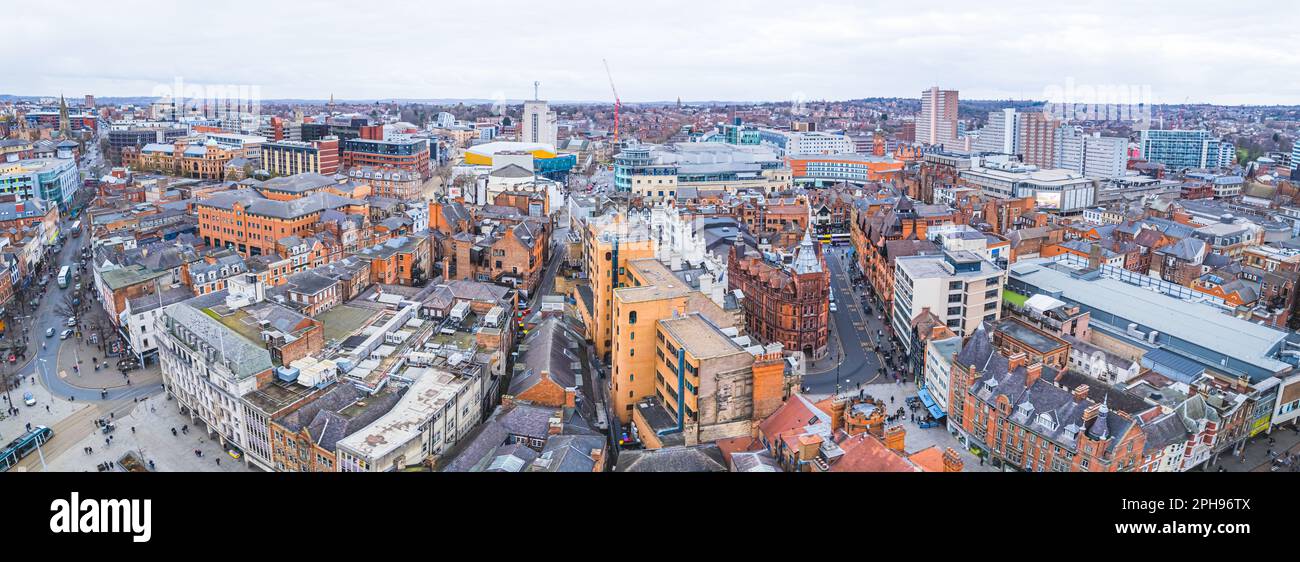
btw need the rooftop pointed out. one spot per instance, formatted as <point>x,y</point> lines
<point>429,392</point>
<point>700,337</point>
<point>1198,323</point>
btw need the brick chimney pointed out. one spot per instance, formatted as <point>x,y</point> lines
<point>952,461</point>
<point>838,405</point>
<point>1016,360</point>
<point>1032,373</point>
<point>894,437</point>
<point>1090,412</point>
<point>1080,392</point>
<point>809,445</point>
<point>598,455</point>
<point>556,424</point>
<point>570,398</point>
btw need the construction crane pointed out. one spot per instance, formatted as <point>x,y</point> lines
<point>617,104</point>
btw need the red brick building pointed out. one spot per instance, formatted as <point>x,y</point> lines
<point>786,305</point>
<point>1021,419</point>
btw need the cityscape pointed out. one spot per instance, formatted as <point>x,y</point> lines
<point>928,272</point>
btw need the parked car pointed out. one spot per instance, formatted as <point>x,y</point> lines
<point>66,333</point>
<point>28,399</point>
<point>72,321</point>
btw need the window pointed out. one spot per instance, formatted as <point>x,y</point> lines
<point>631,317</point>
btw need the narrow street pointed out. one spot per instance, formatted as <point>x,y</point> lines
<point>79,398</point>
<point>853,360</point>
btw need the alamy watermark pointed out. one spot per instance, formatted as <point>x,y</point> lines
<point>89,515</point>
<point>798,104</point>
<point>226,102</point>
<point>1100,102</point>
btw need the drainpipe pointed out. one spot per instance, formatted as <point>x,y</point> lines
<point>681,394</point>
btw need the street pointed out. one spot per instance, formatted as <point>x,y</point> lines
<point>852,360</point>
<point>74,398</point>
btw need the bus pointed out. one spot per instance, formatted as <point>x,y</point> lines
<point>65,275</point>
<point>23,446</point>
<point>834,239</point>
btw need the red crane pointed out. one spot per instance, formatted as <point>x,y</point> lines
<point>617,104</point>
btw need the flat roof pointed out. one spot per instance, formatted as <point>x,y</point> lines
<point>1197,323</point>
<point>428,394</point>
<point>932,266</point>
<point>1029,336</point>
<point>1051,176</point>
<point>700,337</point>
<point>659,282</point>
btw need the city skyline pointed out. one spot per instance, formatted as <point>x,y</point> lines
<point>1017,50</point>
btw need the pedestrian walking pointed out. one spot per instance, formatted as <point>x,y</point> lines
<point>47,408</point>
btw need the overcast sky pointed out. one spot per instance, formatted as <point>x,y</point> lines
<point>1243,51</point>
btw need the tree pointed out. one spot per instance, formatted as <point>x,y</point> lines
<point>66,307</point>
<point>443,173</point>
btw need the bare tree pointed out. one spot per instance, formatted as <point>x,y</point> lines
<point>67,306</point>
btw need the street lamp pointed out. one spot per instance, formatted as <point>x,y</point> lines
<point>41,454</point>
<point>837,381</point>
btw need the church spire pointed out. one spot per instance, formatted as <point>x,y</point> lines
<point>65,127</point>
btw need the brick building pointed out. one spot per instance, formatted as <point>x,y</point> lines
<point>252,223</point>
<point>1016,414</point>
<point>786,305</point>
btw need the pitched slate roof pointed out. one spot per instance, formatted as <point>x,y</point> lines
<point>547,351</point>
<point>698,458</point>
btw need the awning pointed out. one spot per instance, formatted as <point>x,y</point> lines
<point>929,403</point>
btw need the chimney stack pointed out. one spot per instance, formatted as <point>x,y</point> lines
<point>1090,412</point>
<point>894,437</point>
<point>809,446</point>
<point>952,461</point>
<point>1032,373</point>
<point>1080,392</point>
<point>1016,360</point>
<point>838,406</point>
